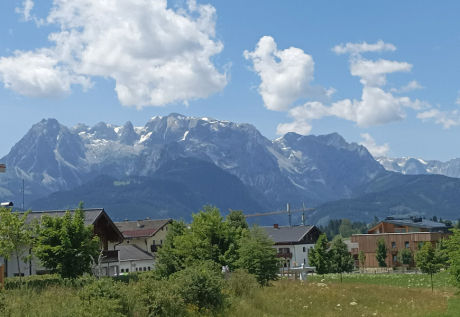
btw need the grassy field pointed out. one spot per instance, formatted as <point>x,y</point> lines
<point>359,295</point>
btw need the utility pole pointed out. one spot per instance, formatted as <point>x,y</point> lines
<point>303,214</point>
<point>289,214</point>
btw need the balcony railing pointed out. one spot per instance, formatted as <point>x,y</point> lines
<point>109,256</point>
<point>286,255</point>
<point>394,250</point>
<point>354,251</point>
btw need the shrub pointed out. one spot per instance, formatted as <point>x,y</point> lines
<point>241,284</point>
<point>107,292</point>
<point>158,298</point>
<point>201,285</point>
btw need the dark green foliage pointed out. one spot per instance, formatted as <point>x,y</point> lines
<point>169,259</point>
<point>453,251</point>
<point>257,256</point>
<point>341,259</point>
<point>319,256</point>
<point>333,228</point>
<point>381,252</point>
<point>201,285</point>
<point>345,228</point>
<point>65,245</point>
<point>236,220</point>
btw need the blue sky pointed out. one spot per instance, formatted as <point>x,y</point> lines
<point>269,88</point>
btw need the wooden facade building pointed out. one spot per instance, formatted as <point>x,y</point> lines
<point>398,234</point>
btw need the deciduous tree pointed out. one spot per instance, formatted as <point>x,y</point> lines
<point>362,258</point>
<point>65,245</point>
<point>257,256</point>
<point>427,260</point>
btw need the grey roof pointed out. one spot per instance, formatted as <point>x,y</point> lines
<point>287,234</point>
<point>133,253</point>
<point>91,215</point>
<point>141,228</point>
<point>422,223</point>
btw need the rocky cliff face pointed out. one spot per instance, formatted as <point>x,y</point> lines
<point>293,168</point>
<point>415,166</point>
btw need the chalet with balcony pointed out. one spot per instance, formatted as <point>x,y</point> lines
<point>398,234</point>
<point>103,227</point>
<point>293,243</point>
<point>148,235</point>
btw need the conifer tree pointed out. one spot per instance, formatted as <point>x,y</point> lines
<point>319,256</point>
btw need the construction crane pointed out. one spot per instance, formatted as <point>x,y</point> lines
<point>287,211</point>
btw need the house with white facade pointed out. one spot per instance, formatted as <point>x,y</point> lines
<point>293,243</point>
<point>147,235</point>
<point>103,227</point>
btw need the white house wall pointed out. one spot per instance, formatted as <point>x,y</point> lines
<point>298,255</point>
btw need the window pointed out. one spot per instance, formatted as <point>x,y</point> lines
<point>304,262</point>
<point>145,269</point>
<point>166,228</point>
<point>395,258</point>
<point>161,228</point>
<point>148,268</point>
<point>153,242</point>
<point>127,270</point>
<point>304,249</point>
<point>161,241</point>
<point>393,244</point>
<point>127,241</point>
<point>136,269</point>
<point>122,270</point>
<point>406,244</point>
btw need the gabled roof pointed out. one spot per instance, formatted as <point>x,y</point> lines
<point>91,215</point>
<point>132,252</point>
<point>287,234</point>
<point>141,228</point>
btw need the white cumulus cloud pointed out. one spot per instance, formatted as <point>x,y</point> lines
<point>372,147</point>
<point>285,75</point>
<point>413,85</point>
<point>358,48</point>
<point>155,55</point>
<point>376,107</point>
<point>446,118</point>
<point>27,6</point>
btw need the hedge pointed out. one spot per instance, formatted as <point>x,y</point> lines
<point>39,282</point>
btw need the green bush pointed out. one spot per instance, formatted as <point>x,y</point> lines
<point>241,284</point>
<point>201,286</point>
<point>104,292</point>
<point>158,298</point>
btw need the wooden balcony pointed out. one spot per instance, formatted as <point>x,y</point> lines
<point>286,255</point>
<point>393,250</point>
<point>109,256</point>
<point>354,251</point>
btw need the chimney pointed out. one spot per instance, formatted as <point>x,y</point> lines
<point>275,226</point>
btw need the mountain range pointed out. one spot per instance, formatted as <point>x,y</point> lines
<point>175,164</point>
